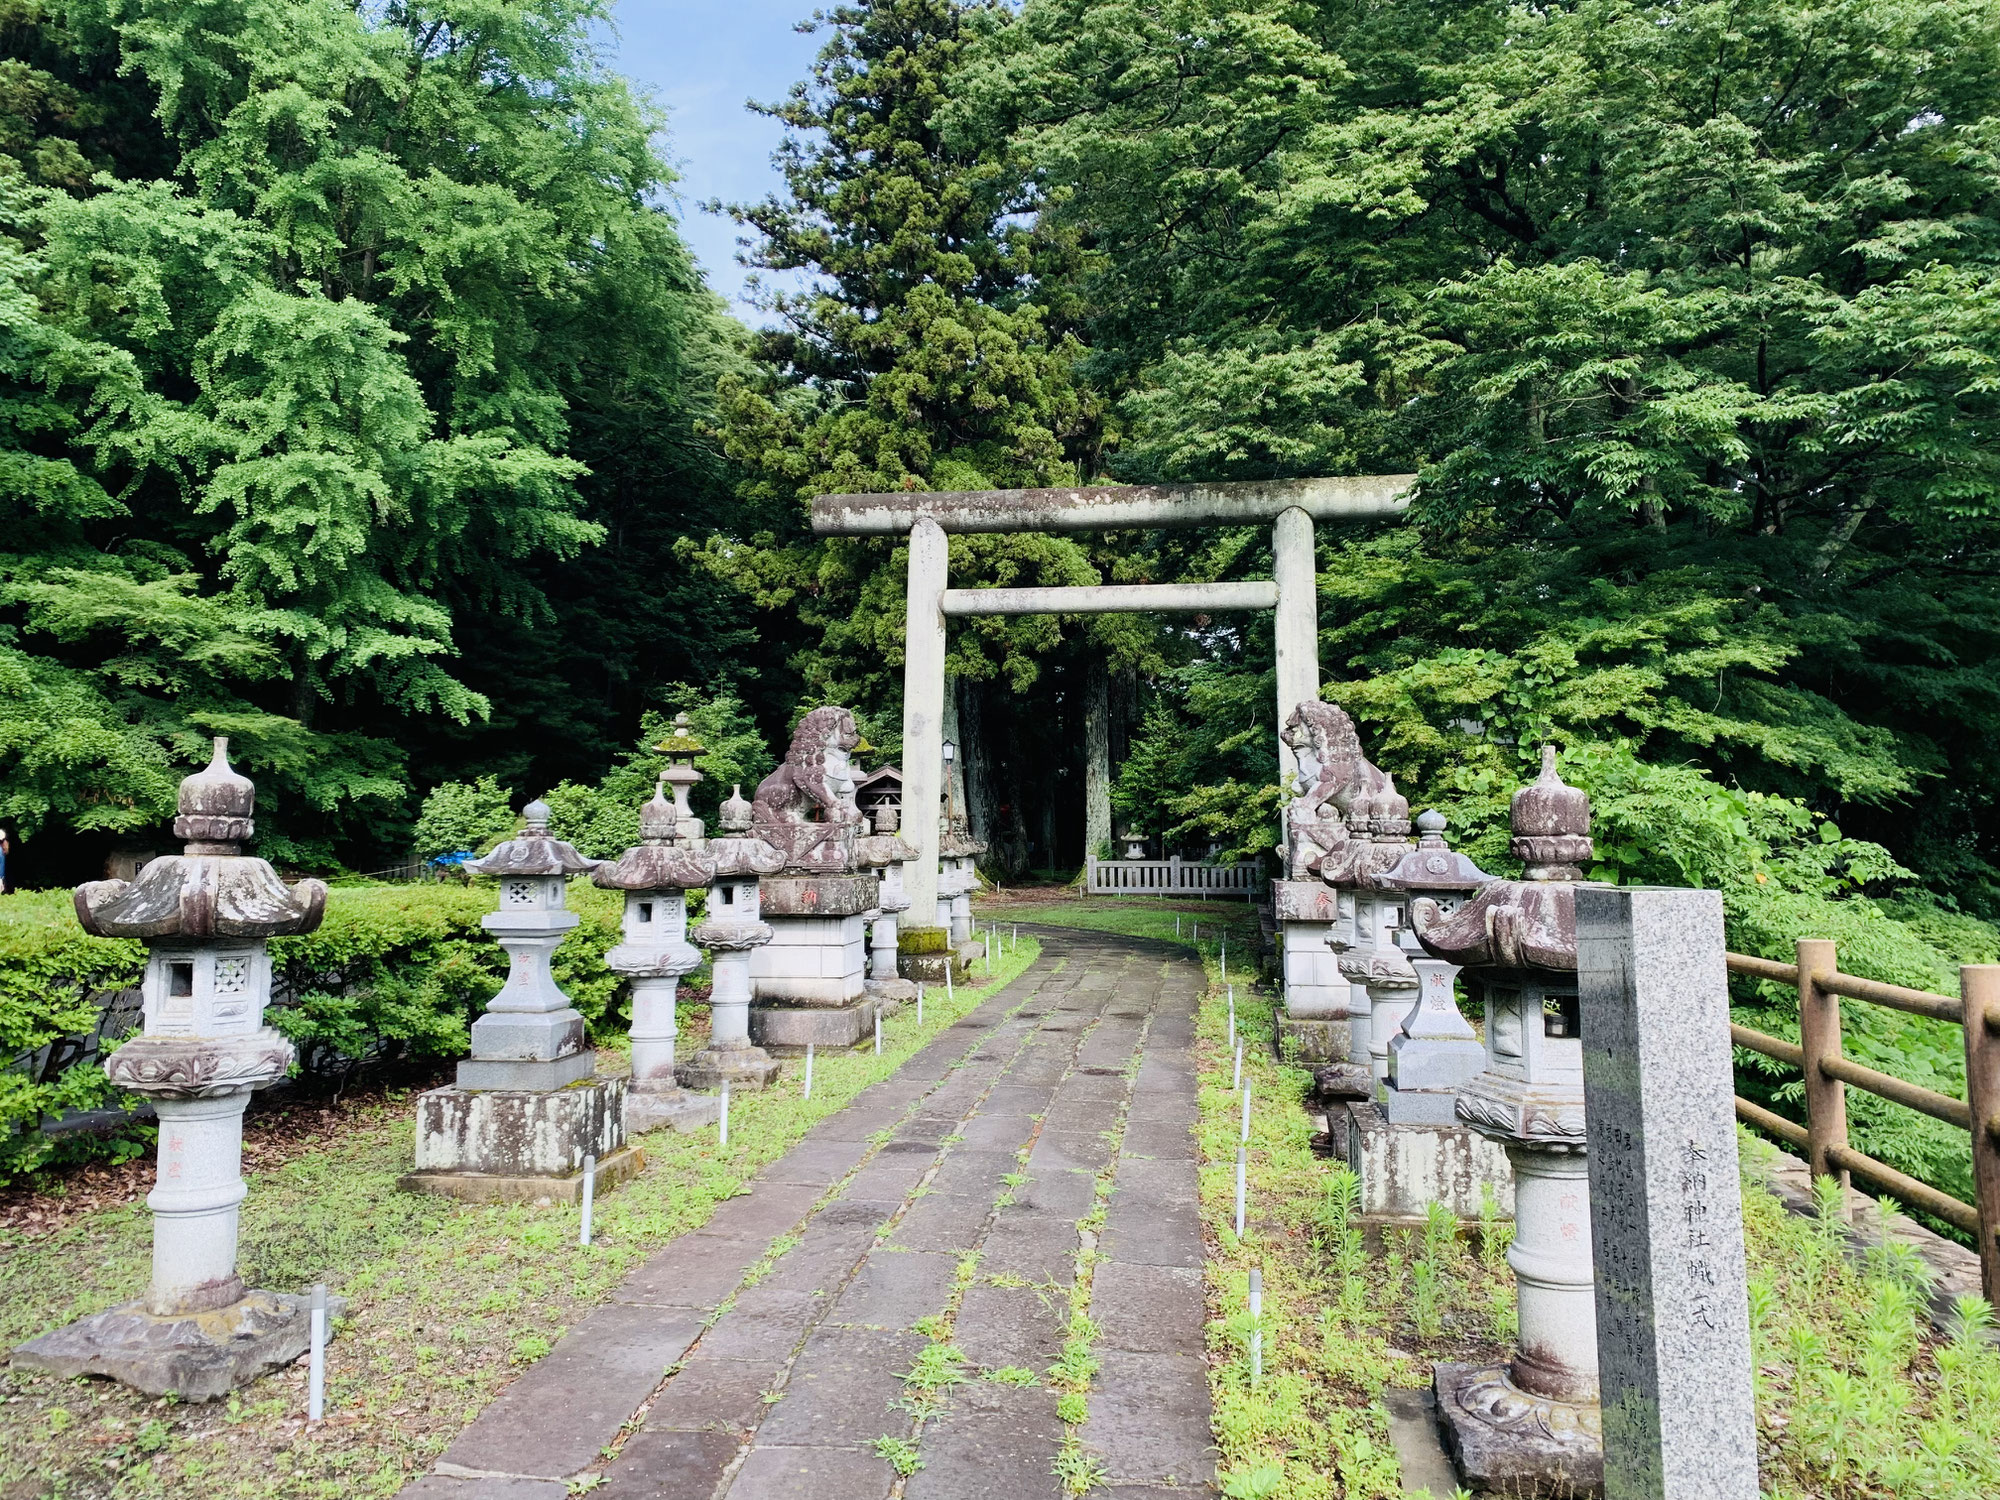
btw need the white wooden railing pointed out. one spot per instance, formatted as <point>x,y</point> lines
<point>1169,877</point>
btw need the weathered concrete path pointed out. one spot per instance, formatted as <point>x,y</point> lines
<point>997,1139</point>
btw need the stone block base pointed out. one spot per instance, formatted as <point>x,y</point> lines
<point>650,1109</point>
<point>519,1132</point>
<point>620,1167</point>
<point>971,954</point>
<point>1311,1043</point>
<point>1343,1080</point>
<point>1504,1441</point>
<point>1419,1106</point>
<point>927,968</point>
<point>893,991</point>
<point>196,1356</point>
<point>749,1068</point>
<point>1406,1168</point>
<point>539,1075</point>
<point>785,1030</point>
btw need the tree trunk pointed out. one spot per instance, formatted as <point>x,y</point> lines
<point>954,774</point>
<point>1096,757</point>
<point>975,758</point>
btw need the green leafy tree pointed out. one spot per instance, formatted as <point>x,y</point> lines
<point>305,378</point>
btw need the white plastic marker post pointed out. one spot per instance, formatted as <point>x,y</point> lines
<point>589,1199</point>
<point>1177,925</point>
<point>1242,1163</point>
<point>723,1118</point>
<point>809,1048</point>
<point>1015,946</point>
<point>1246,1113</point>
<point>1256,1328</point>
<point>948,995</point>
<point>316,1365</point>
<point>878,1033</point>
<point>1232,1015</point>
<point>920,1002</point>
<point>1236,1082</point>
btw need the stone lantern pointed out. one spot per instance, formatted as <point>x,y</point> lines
<point>1135,844</point>
<point>958,877</point>
<point>680,748</point>
<point>731,930</point>
<point>1531,1426</point>
<point>810,976</point>
<point>1434,1051</point>
<point>884,852</point>
<point>656,875</point>
<point>527,1107</point>
<point>1315,919</point>
<point>205,917</point>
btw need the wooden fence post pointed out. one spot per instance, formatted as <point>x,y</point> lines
<point>1819,1038</point>
<point>1979,985</point>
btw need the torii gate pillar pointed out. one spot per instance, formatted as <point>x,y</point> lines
<point>1290,507</point>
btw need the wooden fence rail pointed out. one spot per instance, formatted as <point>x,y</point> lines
<point>1817,1054</point>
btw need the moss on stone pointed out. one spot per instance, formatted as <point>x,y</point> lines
<point>923,940</point>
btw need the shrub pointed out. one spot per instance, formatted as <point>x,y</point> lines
<point>394,973</point>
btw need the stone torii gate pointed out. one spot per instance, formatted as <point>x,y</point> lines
<point>1290,507</point>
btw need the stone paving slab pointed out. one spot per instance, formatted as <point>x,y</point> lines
<point>788,1390</point>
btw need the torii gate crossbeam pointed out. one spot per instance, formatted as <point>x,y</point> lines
<point>1289,507</point>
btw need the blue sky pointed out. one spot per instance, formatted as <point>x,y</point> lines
<point>703,59</point>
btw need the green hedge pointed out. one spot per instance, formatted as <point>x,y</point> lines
<point>394,972</point>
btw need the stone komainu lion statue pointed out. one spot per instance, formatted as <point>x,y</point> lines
<point>1332,774</point>
<point>811,796</point>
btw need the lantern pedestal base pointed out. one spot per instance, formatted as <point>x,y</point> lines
<point>613,1171</point>
<point>744,1067</point>
<point>893,991</point>
<point>504,1135</point>
<point>786,1029</point>
<point>1313,1042</point>
<point>197,1356</point>
<point>650,1108</point>
<point>1406,1168</point>
<point>1508,1441</point>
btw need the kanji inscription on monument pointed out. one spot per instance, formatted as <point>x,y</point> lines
<point>1673,1326</point>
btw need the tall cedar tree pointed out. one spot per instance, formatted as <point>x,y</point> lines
<point>919,356</point>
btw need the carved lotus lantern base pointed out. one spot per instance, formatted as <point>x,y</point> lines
<point>1508,1440</point>
<point>198,1356</point>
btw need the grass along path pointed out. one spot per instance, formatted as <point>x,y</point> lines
<point>449,1301</point>
<point>1856,1399</point>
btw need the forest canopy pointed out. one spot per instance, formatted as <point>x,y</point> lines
<point>359,398</point>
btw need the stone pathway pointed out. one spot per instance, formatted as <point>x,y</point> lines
<point>1001,1137</point>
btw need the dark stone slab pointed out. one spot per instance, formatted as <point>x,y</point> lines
<point>694,1271</point>
<point>928,1129</point>
<point>450,1487</point>
<point>657,1462</point>
<point>769,1209</point>
<point>1149,1418</point>
<point>996,1132</point>
<point>1016,1099</point>
<point>1160,1183</point>
<point>811,1474</point>
<point>856,1124</point>
<point>1070,1151</point>
<point>849,1219</point>
<point>1168,1139</point>
<point>816,1163</point>
<point>1032,1246</point>
<point>1066,1194</point>
<point>1148,1309</point>
<point>894,1288</point>
<point>974,1173</point>
<point>766,1324</point>
<point>942,1221</point>
<point>551,1422</point>
<point>720,1393</point>
<point>995,1442</point>
<point>998,1326</point>
<point>888,1182</point>
<point>842,1389</point>
<point>823,1264</point>
<point>1077,1116</point>
<point>1165,1109</point>
<point>1149,1235</point>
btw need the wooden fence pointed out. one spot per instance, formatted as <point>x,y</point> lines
<point>1170,877</point>
<point>1817,1054</point>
